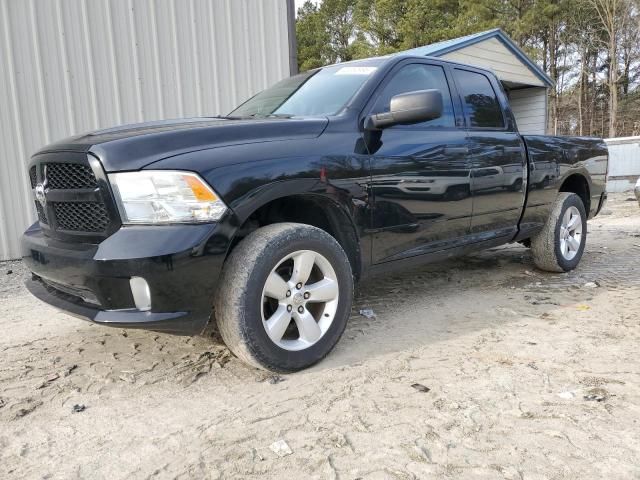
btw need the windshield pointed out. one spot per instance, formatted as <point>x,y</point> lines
<point>316,93</point>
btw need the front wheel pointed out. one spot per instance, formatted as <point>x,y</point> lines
<point>285,296</point>
<point>559,246</point>
<point>517,185</point>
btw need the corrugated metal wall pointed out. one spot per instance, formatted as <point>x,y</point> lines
<point>624,163</point>
<point>68,66</point>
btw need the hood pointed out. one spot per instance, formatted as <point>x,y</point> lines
<point>132,147</point>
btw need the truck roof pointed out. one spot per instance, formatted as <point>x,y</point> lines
<point>397,57</point>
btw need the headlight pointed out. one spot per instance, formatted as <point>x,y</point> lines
<point>163,196</point>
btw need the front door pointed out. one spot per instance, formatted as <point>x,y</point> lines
<point>420,182</point>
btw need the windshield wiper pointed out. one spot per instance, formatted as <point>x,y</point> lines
<point>229,117</point>
<point>253,115</point>
<point>271,115</point>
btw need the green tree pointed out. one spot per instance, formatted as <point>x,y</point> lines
<point>590,48</point>
<point>378,21</point>
<point>311,36</point>
<point>429,21</point>
<point>326,33</point>
<point>338,16</point>
<point>613,16</point>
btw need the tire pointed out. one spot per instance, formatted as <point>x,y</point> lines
<point>552,252</point>
<point>456,192</point>
<point>246,305</point>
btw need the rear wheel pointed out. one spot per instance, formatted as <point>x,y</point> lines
<point>285,297</point>
<point>560,244</point>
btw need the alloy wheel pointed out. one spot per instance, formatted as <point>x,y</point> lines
<point>570,233</point>
<point>299,300</point>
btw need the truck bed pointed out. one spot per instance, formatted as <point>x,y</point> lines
<point>556,159</point>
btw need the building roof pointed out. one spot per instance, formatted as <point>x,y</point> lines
<point>442,48</point>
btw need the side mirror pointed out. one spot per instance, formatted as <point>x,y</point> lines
<point>408,108</point>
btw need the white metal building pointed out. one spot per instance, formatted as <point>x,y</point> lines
<point>525,82</point>
<point>68,66</point>
<point>624,163</point>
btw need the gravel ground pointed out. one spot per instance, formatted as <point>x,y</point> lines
<point>480,367</point>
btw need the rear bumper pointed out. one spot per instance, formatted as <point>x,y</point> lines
<point>181,265</point>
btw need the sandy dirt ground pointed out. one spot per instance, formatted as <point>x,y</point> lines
<point>479,367</point>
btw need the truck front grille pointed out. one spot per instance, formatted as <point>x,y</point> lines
<point>42,216</point>
<point>81,217</point>
<point>77,203</point>
<point>69,176</point>
<point>33,177</point>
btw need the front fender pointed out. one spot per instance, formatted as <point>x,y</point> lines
<point>332,170</point>
<point>343,201</point>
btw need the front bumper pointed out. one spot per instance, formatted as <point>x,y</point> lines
<point>181,265</point>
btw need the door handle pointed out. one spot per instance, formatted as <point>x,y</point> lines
<point>456,150</point>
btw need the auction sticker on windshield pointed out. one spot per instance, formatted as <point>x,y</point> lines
<point>356,71</point>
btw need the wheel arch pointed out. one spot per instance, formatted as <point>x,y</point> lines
<point>579,184</point>
<point>292,202</point>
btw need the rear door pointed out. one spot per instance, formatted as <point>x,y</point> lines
<point>496,152</point>
<point>420,175</point>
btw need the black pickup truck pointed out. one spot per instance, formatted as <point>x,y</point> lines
<point>262,220</point>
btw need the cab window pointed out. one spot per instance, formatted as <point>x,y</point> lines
<point>418,76</point>
<point>480,102</point>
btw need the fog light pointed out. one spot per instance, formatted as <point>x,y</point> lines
<point>141,293</point>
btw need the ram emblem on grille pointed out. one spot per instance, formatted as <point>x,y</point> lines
<point>40,191</point>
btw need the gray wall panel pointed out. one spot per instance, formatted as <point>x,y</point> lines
<point>68,66</point>
<point>624,163</point>
<point>529,108</point>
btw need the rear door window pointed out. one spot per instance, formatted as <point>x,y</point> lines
<point>479,99</point>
